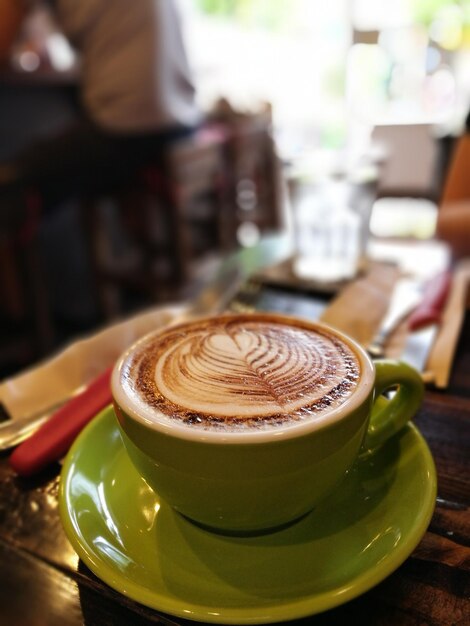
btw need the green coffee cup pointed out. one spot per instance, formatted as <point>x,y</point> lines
<point>204,417</point>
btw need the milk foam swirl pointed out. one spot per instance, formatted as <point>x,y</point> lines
<point>241,372</point>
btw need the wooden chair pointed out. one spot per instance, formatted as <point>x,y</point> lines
<point>409,182</point>
<point>159,214</point>
<point>253,169</point>
<point>191,201</point>
<point>410,164</point>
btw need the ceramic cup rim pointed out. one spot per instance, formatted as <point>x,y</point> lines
<point>289,431</point>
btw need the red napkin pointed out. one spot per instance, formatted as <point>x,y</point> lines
<point>50,442</point>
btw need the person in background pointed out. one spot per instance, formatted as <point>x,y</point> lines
<point>11,16</point>
<point>453,222</point>
<point>136,96</point>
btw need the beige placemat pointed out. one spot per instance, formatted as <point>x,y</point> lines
<point>55,379</point>
<point>443,352</point>
<point>359,308</point>
<point>441,356</point>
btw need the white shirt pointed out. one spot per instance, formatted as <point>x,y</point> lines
<point>136,75</point>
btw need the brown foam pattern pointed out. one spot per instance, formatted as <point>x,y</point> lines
<point>241,370</point>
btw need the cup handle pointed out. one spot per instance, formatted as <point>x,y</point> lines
<point>389,416</point>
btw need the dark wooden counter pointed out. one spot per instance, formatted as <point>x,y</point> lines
<point>43,583</point>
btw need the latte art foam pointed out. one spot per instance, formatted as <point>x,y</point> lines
<point>237,372</point>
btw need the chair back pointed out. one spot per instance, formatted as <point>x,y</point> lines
<point>410,167</point>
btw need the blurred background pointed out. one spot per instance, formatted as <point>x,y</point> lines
<point>333,71</point>
<point>308,108</point>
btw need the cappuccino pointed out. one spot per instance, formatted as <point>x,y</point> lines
<point>243,423</point>
<point>239,372</point>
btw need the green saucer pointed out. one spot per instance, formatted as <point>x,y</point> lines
<point>136,544</point>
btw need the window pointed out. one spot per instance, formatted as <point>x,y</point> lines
<point>331,67</point>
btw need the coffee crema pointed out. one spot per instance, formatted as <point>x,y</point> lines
<point>236,372</point>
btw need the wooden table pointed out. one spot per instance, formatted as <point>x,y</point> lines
<point>43,583</point>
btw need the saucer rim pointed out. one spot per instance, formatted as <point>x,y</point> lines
<point>269,614</point>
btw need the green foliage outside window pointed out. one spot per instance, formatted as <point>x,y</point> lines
<point>274,15</point>
<point>425,11</point>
